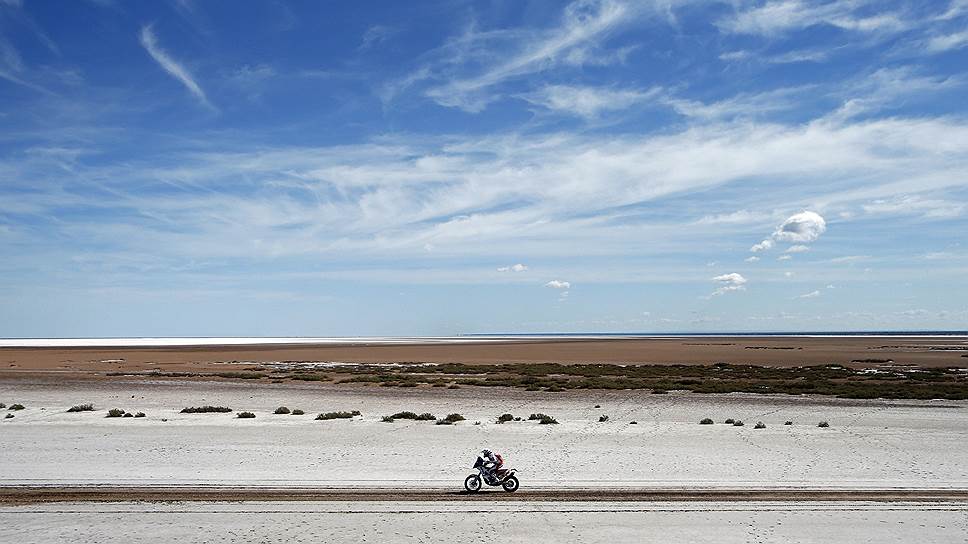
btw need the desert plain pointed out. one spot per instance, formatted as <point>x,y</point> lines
<point>881,470</point>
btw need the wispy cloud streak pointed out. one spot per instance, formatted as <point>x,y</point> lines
<point>170,65</point>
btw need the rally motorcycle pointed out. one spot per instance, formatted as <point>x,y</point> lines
<point>505,479</point>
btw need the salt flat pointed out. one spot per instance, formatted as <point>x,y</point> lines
<point>489,522</point>
<point>870,444</point>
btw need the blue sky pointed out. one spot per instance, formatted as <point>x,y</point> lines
<point>368,168</point>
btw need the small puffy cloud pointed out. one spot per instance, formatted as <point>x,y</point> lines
<point>799,229</point>
<point>784,258</point>
<point>752,259</point>
<point>803,227</point>
<point>733,281</point>
<point>513,268</point>
<point>558,284</point>
<point>762,246</point>
<point>788,274</point>
<point>811,294</point>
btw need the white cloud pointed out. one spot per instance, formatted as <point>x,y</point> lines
<point>915,205</point>
<point>174,69</point>
<point>503,55</point>
<point>762,246</point>
<point>947,42</point>
<point>788,274</point>
<point>587,102</point>
<point>752,259</point>
<point>513,268</point>
<point>804,227</point>
<point>799,248</point>
<point>779,17</point>
<point>558,284</point>
<point>811,294</point>
<point>784,258</point>
<point>733,281</point>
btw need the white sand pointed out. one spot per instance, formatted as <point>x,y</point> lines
<point>608,523</point>
<point>869,444</point>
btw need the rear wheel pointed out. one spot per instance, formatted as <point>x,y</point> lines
<point>511,484</point>
<point>472,483</point>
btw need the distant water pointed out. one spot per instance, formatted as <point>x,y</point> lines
<point>467,338</point>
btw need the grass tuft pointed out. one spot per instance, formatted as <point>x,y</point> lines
<point>246,415</point>
<point>282,410</point>
<point>504,418</point>
<point>706,421</point>
<point>206,409</point>
<point>450,419</point>
<point>788,423</point>
<point>387,419</point>
<point>16,407</point>
<point>140,414</point>
<point>115,412</point>
<point>738,423</point>
<point>759,425</point>
<point>81,408</point>
<point>547,420</point>
<point>297,412</point>
<point>603,418</point>
<point>730,421</point>
<point>337,415</point>
<point>823,424</point>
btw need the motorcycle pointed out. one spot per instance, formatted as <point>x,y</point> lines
<point>507,480</point>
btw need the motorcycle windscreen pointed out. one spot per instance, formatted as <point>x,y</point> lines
<point>479,463</point>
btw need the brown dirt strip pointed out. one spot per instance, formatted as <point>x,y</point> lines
<point>770,351</point>
<point>25,495</point>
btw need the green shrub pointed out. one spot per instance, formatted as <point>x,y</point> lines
<point>706,421</point>
<point>128,414</point>
<point>282,410</point>
<point>633,422</point>
<point>16,407</point>
<point>602,418</point>
<point>8,416</point>
<point>387,419</point>
<point>81,408</point>
<point>246,415</point>
<point>426,416</point>
<point>759,425</point>
<point>547,420</point>
<point>823,424</point>
<point>405,415</point>
<point>206,409</point>
<point>504,418</point>
<point>337,415</point>
<point>788,423</point>
<point>297,412</point>
<point>536,417</point>
<point>737,423</point>
<point>450,419</point>
<point>730,421</point>
<point>140,414</point>
<point>598,406</point>
<point>115,412</point>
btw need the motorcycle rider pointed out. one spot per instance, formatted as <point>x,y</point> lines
<point>492,462</point>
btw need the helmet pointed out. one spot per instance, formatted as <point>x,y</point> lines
<point>486,452</point>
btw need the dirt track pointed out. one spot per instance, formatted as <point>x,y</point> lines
<point>26,494</point>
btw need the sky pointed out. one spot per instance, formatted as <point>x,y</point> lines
<point>269,168</point>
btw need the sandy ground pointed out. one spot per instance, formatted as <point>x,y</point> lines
<point>501,522</point>
<point>774,351</point>
<point>870,444</point>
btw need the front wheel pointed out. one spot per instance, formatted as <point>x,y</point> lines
<point>511,484</point>
<point>472,483</point>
